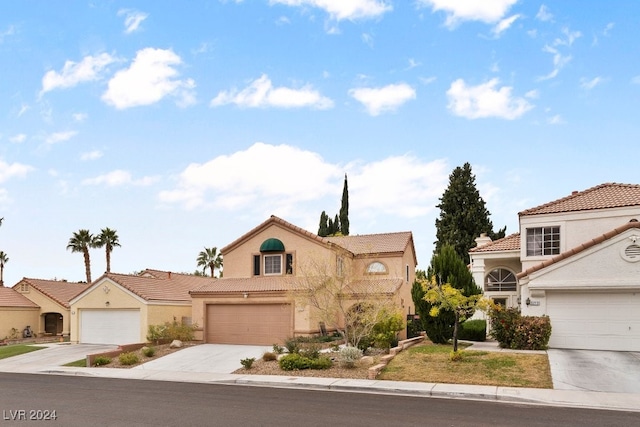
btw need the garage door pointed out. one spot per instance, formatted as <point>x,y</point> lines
<point>255,324</point>
<point>109,326</point>
<point>595,321</point>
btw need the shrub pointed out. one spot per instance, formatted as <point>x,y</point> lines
<point>320,363</point>
<point>101,361</point>
<point>456,356</point>
<point>512,330</point>
<point>385,332</point>
<point>170,331</point>
<point>349,356</point>
<point>148,351</point>
<point>278,349</point>
<point>128,358</point>
<point>269,356</point>
<point>292,345</point>
<point>248,362</point>
<point>473,330</point>
<point>310,350</point>
<point>293,361</point>
<point>503,322</point>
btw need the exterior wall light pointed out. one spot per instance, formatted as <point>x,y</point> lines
<point>245,295</point>
<point>528,302</point>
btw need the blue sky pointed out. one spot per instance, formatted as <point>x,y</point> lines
<point>186,126</point>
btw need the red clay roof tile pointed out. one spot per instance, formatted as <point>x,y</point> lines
<point>9,297</point>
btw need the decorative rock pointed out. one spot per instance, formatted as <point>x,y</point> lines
<point>366,360</point>
<point>175,344</point>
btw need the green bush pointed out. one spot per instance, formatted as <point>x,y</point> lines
<point>269,356</point>
<point>128,358</point>
<point>148,351</point>
<point>292,345</point>
<point>101,361</point>
<point>170,331</point>
<point>310,350</point>
<point>296,361</point>
<point>512,330</point>
<point>278,349</point>
<point>385,332</point>
<point>248,362</point>
<point>473,330</point>
<point>321,362</point>
<point>349,356</point>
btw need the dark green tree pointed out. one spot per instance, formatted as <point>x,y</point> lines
<point>81,241</point>
<point>323,229</point>
<point>463,214</point>
<point>447,267</point>
<point>336,225</point>
<point>344,209</point>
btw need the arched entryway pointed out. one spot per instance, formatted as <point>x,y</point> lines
<point>53,323</point>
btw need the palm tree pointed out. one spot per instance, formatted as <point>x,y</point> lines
<point>209,258</point>
<point>82,241</point>
<point>108,239</point>
<point>3,260</point>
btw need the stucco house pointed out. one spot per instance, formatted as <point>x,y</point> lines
<point>118,308</point>
<point>577,260</point>
<point>52,297</point>
<point>16,313</point>
<point>255,302</point>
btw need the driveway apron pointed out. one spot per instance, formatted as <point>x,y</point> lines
<point>52,356</point>
<point>591,370</point>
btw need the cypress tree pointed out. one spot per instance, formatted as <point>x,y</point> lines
<point>344,209</point>
<point>323,229</point>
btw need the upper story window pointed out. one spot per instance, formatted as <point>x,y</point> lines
<point>24,287</point>
<point>339,266</point>
<point>543,241</point>
<point>500,279</point>
<point>273,260</point>
<point>272,264</point>
<point>376,267</point>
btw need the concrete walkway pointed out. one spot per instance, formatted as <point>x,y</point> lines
<point>179,373</point>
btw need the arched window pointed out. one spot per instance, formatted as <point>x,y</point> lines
<point>376,267</point>
<point>500,279</point>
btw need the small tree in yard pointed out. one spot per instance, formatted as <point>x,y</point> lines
<point>446,297</point>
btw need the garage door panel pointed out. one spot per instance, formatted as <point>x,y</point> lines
<point>256,324</point>
<point>109,326</point>
<point>596,321</point>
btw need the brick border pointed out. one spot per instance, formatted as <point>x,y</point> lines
<point>375,370</point>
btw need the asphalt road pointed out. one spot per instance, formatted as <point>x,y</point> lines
<point>82,401</point>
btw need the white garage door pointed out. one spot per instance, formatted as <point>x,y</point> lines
<point>595,321</point>
<point>110,326</point>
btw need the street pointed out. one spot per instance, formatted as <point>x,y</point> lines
<point>81,401</point>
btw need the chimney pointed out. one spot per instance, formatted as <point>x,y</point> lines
<point>483,240</point>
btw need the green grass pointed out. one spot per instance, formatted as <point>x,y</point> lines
<point>82,363</point>
<point>17,349</point>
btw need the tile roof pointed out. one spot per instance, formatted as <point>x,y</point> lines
<point>604,196</point>
<point>9,297</point>
<point>157,285</point>
<point>287,284</point>
<point>373,243</point>
<point>58,290</point>
<point>508,243</point>
<point>586,245</point>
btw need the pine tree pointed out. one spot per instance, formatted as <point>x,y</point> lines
<point>323,229</point>
<point>344,209</point>
<point>336,226</point>
<point>463,214</point>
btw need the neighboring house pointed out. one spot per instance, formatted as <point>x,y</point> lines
<point>52,296</point>
<point>119,308</point>
<point>255,303</point>
<point>577,260</point>
<point>16,313</point>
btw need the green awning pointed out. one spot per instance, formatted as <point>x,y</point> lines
<point>272,245</point>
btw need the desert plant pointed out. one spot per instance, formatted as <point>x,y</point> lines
<point>293,361</point>
<point>269,356</point>
<point>349,356</point>
<point>248,362</point>
<point>277,349</point>
<point>170,331</point>
<point>128,358</point>
<point>310,350</point>
<point>292,345</point>
<point>321,362</point>
<point>148,351</point>
<point>13,334</point>
<point>101,361</point>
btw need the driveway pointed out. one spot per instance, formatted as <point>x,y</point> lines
<point>214,358</point>
<point>52,356</point>
<point>591,370</point>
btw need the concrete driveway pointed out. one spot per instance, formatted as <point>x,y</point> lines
<point>591,370</point>
<point>52,356</point>
<point>213,358</point>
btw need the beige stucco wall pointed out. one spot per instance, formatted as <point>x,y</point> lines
<point>18,318</point>
<point>47,305</point>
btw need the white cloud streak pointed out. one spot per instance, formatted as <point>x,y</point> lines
<point>132,19</point>
<point>488,11</point>
<point>383,99</point>
<point>13,170</point>
<point>57,137</point>
<point>343,9</point>
<point>74,73</point>
<point>485,100</point>
<point>119,178</point>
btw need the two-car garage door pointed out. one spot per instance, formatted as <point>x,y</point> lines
<point>110,326</point>
<point>594,321</point>
<point>255,324</point>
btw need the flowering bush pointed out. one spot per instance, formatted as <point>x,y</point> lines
<point>512,330</point>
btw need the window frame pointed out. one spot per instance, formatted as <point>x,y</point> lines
<point>272,266</point>
<point>499,285</point>
<point>384,270</point>
<point>543,241</point>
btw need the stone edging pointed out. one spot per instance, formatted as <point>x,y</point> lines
<point>384,360</point>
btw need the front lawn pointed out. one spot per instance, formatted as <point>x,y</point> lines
<point>17,349</point>
<point>431,364</point>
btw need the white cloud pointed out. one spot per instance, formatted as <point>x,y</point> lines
<point>590,84</point>
<point>118,178</point>
<point>132,19</point>
<point>488,11</point>
<point>23,109</point>
<point>559,62</point>
<point>532,94</point>
<point>261,93</point>
<point>13,170</point>
<point>556,120</point>
<point>79,117</point>
<point>56,137</point>
<point>544,14</point>
<point>73,73</point>
<point>343,9</point>
<point>383,99</point>
<point>150,78</point>
<point>484,100</point>
<point>570,37</point>
<point>18,139</point>
<point>91,155</point>
<point>504,25</point>
<point>284,179</point>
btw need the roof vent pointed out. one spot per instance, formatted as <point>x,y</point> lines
<point>633,220</point>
